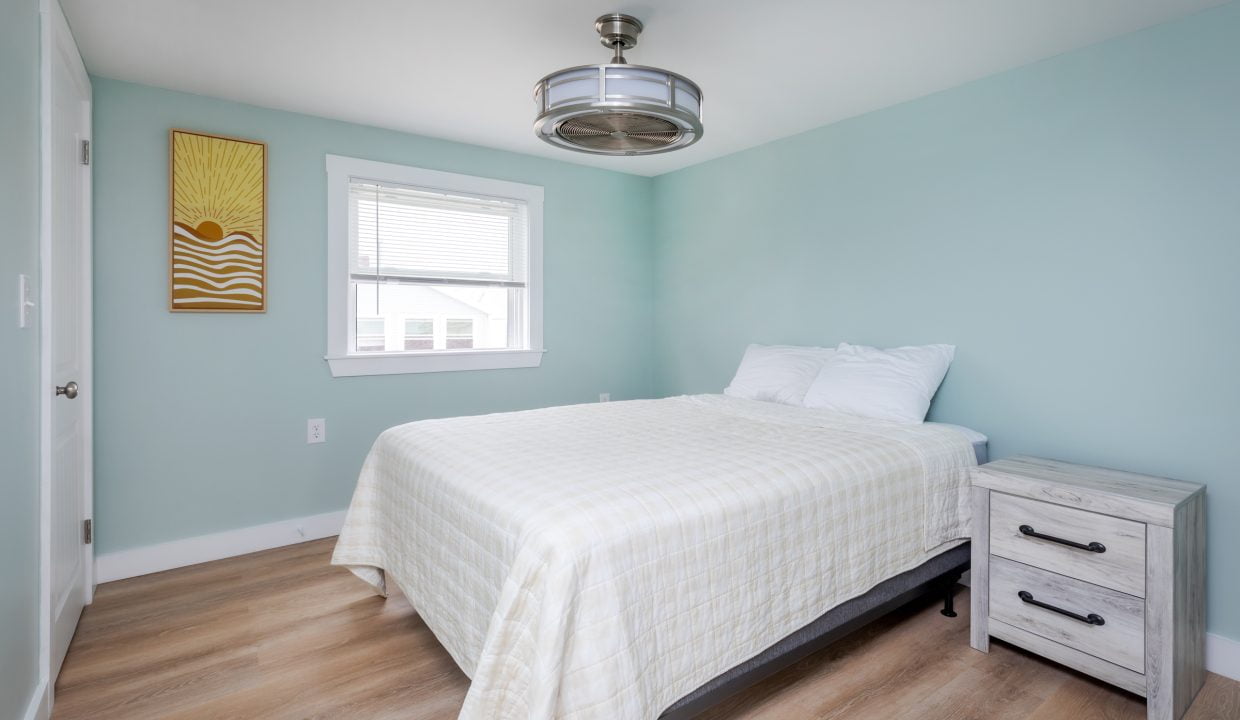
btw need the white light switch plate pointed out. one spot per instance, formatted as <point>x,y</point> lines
<point>25,301</point>
<point>316,430</point>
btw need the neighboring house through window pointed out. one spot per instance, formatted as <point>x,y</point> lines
<point>431,271</point>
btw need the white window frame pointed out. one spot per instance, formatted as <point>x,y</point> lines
<point>340,358</point>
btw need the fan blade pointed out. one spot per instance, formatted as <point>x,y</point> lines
<point>619,131</point>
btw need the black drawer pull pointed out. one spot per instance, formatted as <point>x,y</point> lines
<point>1090,619</point>
<point>1092,547</point>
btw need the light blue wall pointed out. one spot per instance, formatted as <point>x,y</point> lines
<point>19,356</point>
<point>200,418</point>
<point>1072,226</point>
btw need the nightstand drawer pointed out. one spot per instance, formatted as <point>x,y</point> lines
<point>1101,622</point>
<point>1059,539</point>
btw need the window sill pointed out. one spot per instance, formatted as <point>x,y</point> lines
<point>405,363</point>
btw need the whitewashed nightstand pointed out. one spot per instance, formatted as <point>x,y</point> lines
<point>1099,570</point>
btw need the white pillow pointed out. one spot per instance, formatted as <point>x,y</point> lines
<point>777,373</point>
<point>895,384</point>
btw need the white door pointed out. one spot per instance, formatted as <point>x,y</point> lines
<point>66,336</point>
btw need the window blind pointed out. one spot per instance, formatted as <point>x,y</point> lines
<point>422,236</point>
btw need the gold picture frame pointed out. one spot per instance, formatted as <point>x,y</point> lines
<point>217,229</point>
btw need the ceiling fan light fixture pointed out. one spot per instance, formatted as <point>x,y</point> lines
<point>617,108</point>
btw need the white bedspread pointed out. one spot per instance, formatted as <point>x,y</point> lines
<point>604,560</point>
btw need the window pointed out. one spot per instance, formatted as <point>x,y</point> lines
<point>460,334</point>
<point>431,271</point>
<point>370,335</point>
<point>420,334</point>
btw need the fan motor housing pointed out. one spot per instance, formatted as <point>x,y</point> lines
<point>618,109</point>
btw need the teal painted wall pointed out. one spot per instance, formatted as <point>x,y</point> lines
<point>200,418</point>
<point>1072,226</point>
<point>19,351</point>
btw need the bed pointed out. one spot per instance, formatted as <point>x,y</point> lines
<point>622,560</point>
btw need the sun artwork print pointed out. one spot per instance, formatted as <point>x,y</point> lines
<point>218,234</point>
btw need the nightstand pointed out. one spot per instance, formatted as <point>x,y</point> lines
<point>1099,570</point>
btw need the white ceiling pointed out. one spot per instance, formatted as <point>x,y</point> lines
<point>464,69</point>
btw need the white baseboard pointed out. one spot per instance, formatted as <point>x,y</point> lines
<point>39,707</point>
<point>216,546</point>
<point>1223,656</point>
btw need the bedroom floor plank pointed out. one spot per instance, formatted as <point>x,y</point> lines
<point>282,634</point>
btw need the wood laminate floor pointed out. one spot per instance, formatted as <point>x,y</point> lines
<point>282,634</point>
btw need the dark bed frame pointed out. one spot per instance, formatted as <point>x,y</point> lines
<point>937,575</point>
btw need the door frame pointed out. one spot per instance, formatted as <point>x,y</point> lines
<point>55,35</point>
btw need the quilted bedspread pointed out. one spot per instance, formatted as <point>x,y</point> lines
<point>604,560</point>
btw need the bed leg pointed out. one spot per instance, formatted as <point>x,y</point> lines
<point>949,596</point>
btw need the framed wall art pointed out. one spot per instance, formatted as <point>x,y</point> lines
<point>218,233</point>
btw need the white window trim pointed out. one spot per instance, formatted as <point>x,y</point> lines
<point>340,170</point>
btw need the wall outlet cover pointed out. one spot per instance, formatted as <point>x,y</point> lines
<point>316,430</point>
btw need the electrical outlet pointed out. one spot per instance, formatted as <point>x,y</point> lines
<point>316,430</point>
<point>604,397</point>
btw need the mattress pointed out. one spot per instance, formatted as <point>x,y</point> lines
<point>605,560</point>
<point>980,443</point>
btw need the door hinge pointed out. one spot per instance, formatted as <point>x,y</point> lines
<point>85,152</point>
<point>88,531</point>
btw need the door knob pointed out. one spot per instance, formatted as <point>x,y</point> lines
<point>69,389</point>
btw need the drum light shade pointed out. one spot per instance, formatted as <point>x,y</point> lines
<point>617,108</point>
